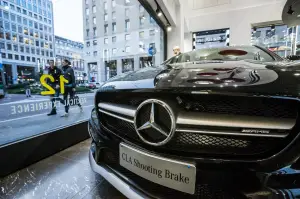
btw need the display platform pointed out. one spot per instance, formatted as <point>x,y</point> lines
<point>66,174</point>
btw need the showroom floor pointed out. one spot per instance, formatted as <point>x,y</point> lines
<point>66,174</point>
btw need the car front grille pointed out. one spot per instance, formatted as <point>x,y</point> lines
<point>210,125</point>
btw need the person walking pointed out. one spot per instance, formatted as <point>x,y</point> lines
<point>55,72</point>
<point>70,89</point>
<point>27,89</point>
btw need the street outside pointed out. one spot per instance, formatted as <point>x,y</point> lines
<point>22,117</point>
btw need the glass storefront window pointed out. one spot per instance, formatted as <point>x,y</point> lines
<point>113,32</point>
<point>277,38</point>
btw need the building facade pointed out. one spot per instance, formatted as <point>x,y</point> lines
<point>72,51</point>
<point>119,36</point>
<point>26,38</point>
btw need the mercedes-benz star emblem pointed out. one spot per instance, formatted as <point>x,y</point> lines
<point>154,122</point>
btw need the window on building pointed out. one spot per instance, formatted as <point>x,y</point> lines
<point>9,56</point>
<point>113,15</point>
<point>127,24</point>
<point>12,7</point>
<point>141,34</point>
<point>14,27</point>
<point>32,51</point>
<point>114,27</point>
<point>105,40</point>
<point>19,19</point>
<point>127,49</point>
<point>37,43</point>
<point>114,51</point>
<point>36,25</point>
<point>113,3</point>
<point>19,10</point>
<point>88,53</point>
<point>12,17</point>
<point>27,49</point>
<point>25,21</point>
<point>7,26</point>
<point>42,52</point>
<point>25,31</point>
<point>105,5</point>
<point>22,49</point>
<point>8,46</point>
<point>33,59</point>
<point>2,45</point>
<point>16,57</point>
<point>142,21</point>
<point>22,58</point>
<point>95,43</point>
<point>30,23</point>
<point>127,37</point>
<point>38,52</point>
<point>7,36</point>
<point>94,20</point>
<point>152,32</point>
<point>16,48</point>
<point>88,44</point>
<point>3,55</point>
<point>105,17</point>
<point>114,39</point>
<point>87,11</point>
<point>24,12</point>
<point>21,39</point>
<point>95,53</point>
<point>27,58</point>
<point>127,1</point>
<point>87,32</point>
<point>106,29</point>
<point>6,15</point>
<point>95,32</point>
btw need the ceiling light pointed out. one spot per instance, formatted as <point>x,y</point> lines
<point>158,12</point>
<point>169,28</point>
<point>298,15</point>
<point>290,11</point>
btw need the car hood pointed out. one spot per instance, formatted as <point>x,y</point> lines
<point>247,76</point>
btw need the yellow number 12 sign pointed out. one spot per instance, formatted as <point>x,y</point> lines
<point>51,90</point>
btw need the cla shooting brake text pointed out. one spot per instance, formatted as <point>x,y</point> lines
<point>203,123</point>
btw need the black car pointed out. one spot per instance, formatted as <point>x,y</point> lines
<point>211,123</point>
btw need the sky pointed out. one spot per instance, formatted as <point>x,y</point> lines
<point>68,20</point>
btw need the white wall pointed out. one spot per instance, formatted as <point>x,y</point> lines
<point>238,15</point>
<point>239,21</point>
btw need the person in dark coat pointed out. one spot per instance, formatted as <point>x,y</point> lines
<point>70,87</point>
<point>55,72</point>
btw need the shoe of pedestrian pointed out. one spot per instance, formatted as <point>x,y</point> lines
<point>52,113</point>
<point>64,115</point>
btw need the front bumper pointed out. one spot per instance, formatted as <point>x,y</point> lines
<point>128,190</point>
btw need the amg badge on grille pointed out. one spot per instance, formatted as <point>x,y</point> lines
<point>255,131</point>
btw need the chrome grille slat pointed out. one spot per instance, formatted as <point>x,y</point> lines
<point>237,121</point>
<point>215,132</point>
<point>117,108</point>
<point>116,116</point>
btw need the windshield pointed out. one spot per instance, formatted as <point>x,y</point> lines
<point>224,54</point>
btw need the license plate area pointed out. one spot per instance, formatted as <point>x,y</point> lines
<point>171,173</point>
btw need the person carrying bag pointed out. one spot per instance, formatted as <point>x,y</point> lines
<point>70,89</point>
